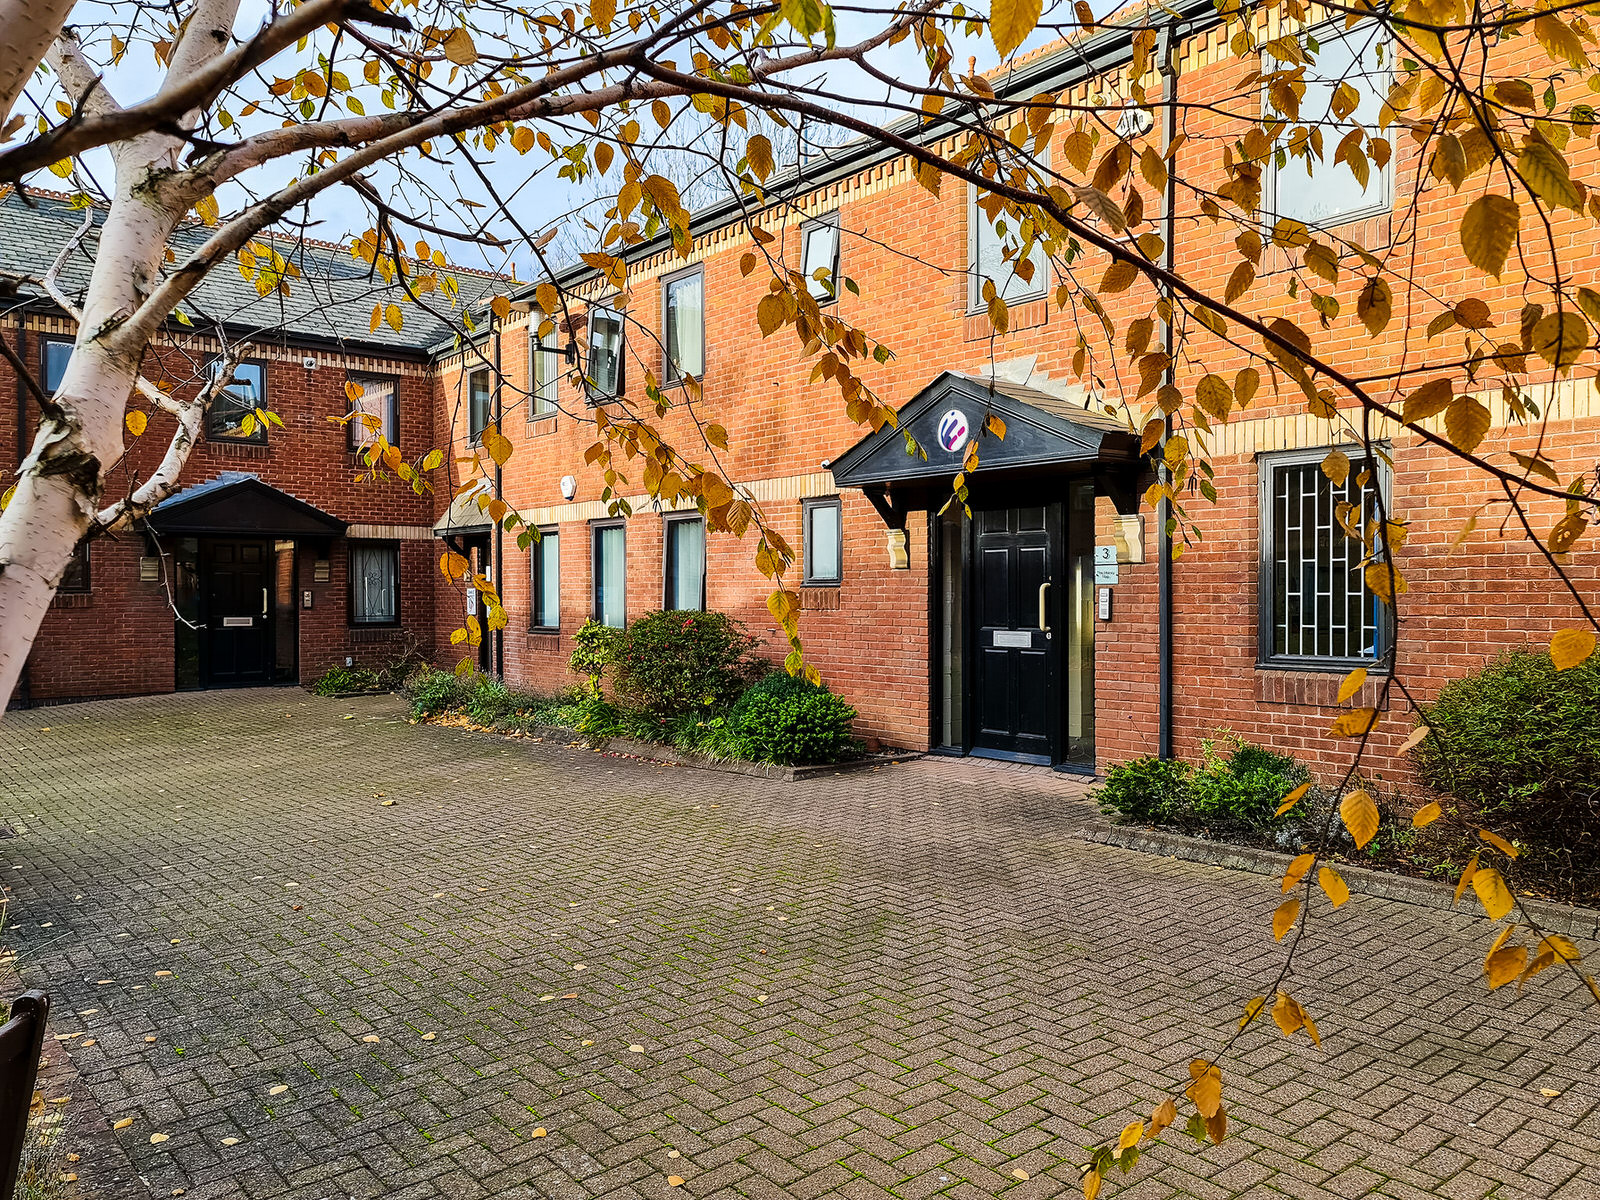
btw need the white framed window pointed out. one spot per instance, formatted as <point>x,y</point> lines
<point>374,410</point>
<point>994,250</point>
<point>607,344</point>
<point>1320,191</point>
<point>1315,606</point>
<point>610,566</point>
<point>546,365</point>
<point>824,541</point>
<point>374,583</point>
<point>683,324</point>
<point>819,258</point>
<point>233,415</point>
<point>685,570</point>
<point>545,560</point>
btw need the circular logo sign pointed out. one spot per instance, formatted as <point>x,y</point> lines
<point>953,430</point>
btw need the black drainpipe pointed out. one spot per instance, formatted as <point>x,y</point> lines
<point>24,693</point>
<point>1167,60</point>
<point>499,528</point>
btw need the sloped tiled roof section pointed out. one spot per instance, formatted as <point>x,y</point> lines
<point>330,302</point>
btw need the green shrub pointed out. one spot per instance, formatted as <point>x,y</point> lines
<point>674,662</point>
<point>348,679</point>
<point>434,692</point>
<point>594,648</point>
<point>489,701</point>
<point>1150,790</point>
<point>1520,741</point>
<point>785,719</point>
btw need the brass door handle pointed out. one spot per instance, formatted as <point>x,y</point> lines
<point>264,602</point>
<point>1044,591</point>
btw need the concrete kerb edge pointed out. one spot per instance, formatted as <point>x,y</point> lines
<point>1571,919</point>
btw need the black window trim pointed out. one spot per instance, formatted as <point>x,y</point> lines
<point>46,340</point>
<point>534,580</point>
<point>669,374</point>
<point>668,520</point>
<point>806,507</point>
<point>83,547</point>
<point>1267,464</point>
<point>593,394</point>
<point>833,220</point>
<point>266,392</point>
<point>475,436</point>
<point>975,301</point>
<point>364,378</point>
<point>350,582</point>
<point>595,526</point>
<point>536,348</point>
<point>1381,206</point>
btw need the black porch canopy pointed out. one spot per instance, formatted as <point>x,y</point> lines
<point>240,504</point>
<point>1043,435</point>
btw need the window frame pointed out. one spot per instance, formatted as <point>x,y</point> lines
<point>45,342</point>
<point>537,350</point>
<point>475,436</point>
<point>830,220</point>
<point>257,438</point>
<point>535,579</point>
<point>1381,205</point>
<point>596,527</point>
<point>364,378</point>
<point>1268,463</point>
<point>670,376</point>
<point>668,522</point>
<point>1038,290</point>
<point>83,552</point>
<point>393,547</point>
<point>594,394</point>
<point>807,506</point>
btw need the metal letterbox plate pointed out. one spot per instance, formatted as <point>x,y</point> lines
<point>238,622</point>
<point>1013,639</point>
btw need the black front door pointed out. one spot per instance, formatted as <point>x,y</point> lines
<point>236,586</point>
<point>1018,569</point>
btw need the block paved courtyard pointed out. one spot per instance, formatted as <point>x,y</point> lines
<point>544,971</point>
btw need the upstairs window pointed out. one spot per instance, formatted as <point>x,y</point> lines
<point>234,415</point>
<point>545,559</point>
<point>479,403</point>
<point>606,347</point>
<point>75,578</point>
<point>1345,87</point>
<point>994,247</point>
<point>686,563</point>
<point>1316,607</point>
<point>545,386</point>
<point>374,408</point>
<point>819,258</point>
<point>684,324</point>
<point>57,353</point>
<point>824,546</point>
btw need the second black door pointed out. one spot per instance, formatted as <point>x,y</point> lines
<point>1018,564</point>
<point>236,583</point>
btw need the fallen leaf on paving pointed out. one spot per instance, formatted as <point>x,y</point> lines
<point>761,999</point>
<point>157,1138</point>
<point>588,1041</point>
<point>74,1157</point>
<point>104,981</point>
<point>151,1038</point>
<point>291,883</point>
<point>278,1089</point>
<point>550,996</point>
<point>673,1154</point>
<point>675,1180</point>
<point>438,895</point>
<point>124,1123</point>
<point>570,996</point>
<point>636,1049</point>
<point>59,1099</point>
<point>161,974</point>
<point>87,1042</point>
<point>349,716</point>
<point>1549,1093</point>
<point>69,1178</point>
<point>1019,1173</point>
<point>230,1141</point>
<point>87,1012</point>
<point>174,941</point>
<point>540,1132</point>
<point>177,1191</point>
<point>580,967</point>
<point>371,1037</point>
<point>429,1036</point>
<point>388,803</point>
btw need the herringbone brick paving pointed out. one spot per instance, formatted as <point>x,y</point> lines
<point>907,982</point>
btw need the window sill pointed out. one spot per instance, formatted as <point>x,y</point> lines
<point>1306,685</point>
<point>544,631</point>
<point>820,597</point>
<point>1028,313</point>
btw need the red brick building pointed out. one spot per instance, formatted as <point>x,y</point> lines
<point>1033,630</point>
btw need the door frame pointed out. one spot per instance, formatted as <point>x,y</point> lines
<point>269,641</point>
<point>999,495</point>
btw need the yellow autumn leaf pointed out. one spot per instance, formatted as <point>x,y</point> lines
<point>1011,21</point>
<point>1354,723</point>
<point>1504,965</point>
<point>1498,842</point>
<point>1293,798</point>
<point>1284,918</point>
<point>1360,815</point>
<point>1569,647</point>
<point>1333,884</point>
<point>1492,892</point>
<point>1426,815</point>
<point>1297,870</point>
<point>1488,231</point>
<point>1131,1133</point>
<point>459,48</point>
<point>1351,685</point>
<point>1165,1114</point>
<point>136,422</point>
<point>394,316</point>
